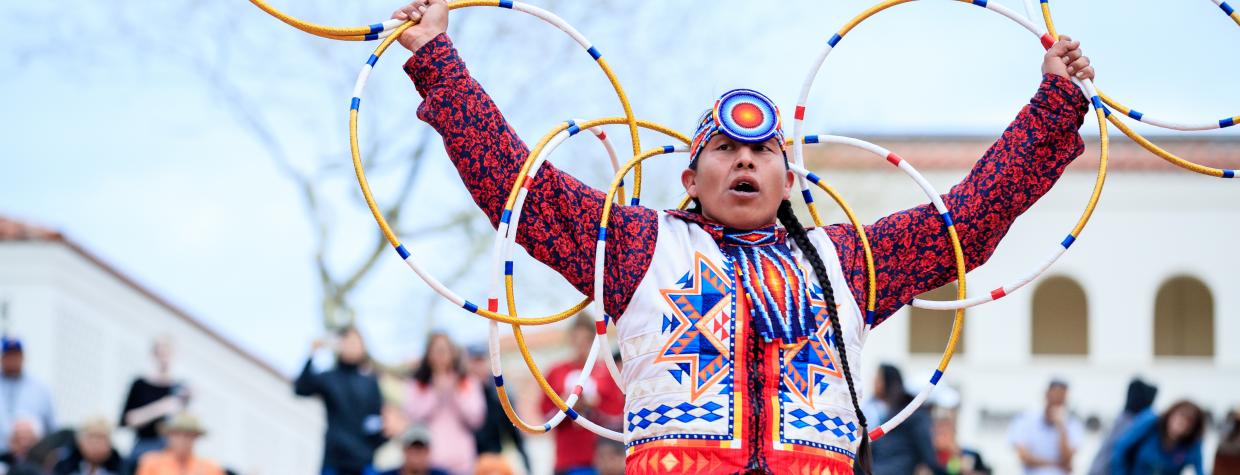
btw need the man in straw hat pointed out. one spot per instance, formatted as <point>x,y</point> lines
<point>177,458</point>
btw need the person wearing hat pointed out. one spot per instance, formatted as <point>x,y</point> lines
<point>92,452</point>
<point>181,432</point>
<point>21,395</point>
<point>737,333</point>
<point>415,444</point>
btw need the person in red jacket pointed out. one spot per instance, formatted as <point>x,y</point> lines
<point>601,401</point>
<point>738,327</point>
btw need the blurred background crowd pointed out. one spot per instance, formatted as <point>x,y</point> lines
<point>441,415</point>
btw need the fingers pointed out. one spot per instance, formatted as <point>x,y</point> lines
<point>1072,56</point>
<point>1078,65</point>
<point>412,11</point>
<point>1086,73</point>
<point>1063,46</point>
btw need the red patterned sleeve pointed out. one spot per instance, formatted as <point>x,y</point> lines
<point>912,254</point>
<point>559,221</point>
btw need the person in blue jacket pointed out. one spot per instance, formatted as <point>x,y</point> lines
<point>1161,444</point>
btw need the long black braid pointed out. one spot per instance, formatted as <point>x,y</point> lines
<point>797,232</point>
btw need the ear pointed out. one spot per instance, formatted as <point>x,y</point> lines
<point>688,178</point>
<point>789,179</point>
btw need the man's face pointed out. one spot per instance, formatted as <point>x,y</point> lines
<point>95,447</point>
<point>181,444</point>
<point>352,349</point>
<point>417,457</point>
<point>1056,396</point>
<point>609,461</point>
<point>479,367</point>
<point>11,363</point>
<point>22,437</point>
<point>582,340</point>
<point>739,185</point>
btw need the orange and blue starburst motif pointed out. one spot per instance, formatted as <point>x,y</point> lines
<point>810,365</point>
<point>701,327</point>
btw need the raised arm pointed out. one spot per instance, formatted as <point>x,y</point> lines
<point>559,221</point>
<point>912,253</point>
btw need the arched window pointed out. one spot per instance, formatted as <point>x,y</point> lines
<point>928,329</point>
<point>1184,318</point>
<point>1060,318</point>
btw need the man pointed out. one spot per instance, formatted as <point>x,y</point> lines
<point>22,437</point>
<point>181,432</point>
<point>609,457</point>
<point>737,332</point>
<point>601,401</point>
<point>489,437</point>
<point>20,394</point>
<point>1046,439</point>
<point>92,452</point>
<point>351,398</point>
<point>415,442</point>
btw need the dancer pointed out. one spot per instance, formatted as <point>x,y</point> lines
<point>736,333</point>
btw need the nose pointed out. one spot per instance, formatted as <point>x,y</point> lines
<point>744,159</point>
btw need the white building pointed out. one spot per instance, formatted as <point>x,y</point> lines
<point>87,332</point>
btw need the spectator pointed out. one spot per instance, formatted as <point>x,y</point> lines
<point>20,394</point>
<point>1047,438</point>
<point>1227,458</point>
<point>449,403</point>
<point>351,398</point>
<point>415,442</point>
<point>951,456</point>
<point>151,400</point>
<point>608,457</point>
<point>903,450</point>
<point>1140,398</point>
<point>92,452</point>
<point>495,426</point>
<point>1166,444</point>
<point>492,464</point>
<point>177,458</point>
<point>22,437</point>
<point>601,401</point>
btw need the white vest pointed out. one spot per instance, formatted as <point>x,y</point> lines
<point>678,343</point>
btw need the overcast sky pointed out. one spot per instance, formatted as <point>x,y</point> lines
<point>142,167</point>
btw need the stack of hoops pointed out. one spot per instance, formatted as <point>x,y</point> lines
<point>503,267</point>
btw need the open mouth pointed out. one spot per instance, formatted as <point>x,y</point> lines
<point>744,186</point>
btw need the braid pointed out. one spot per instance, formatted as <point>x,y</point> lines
<point>797,232</point>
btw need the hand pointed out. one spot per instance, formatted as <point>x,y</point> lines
<point>184,393</point>
<point>1059,416</point>
<point>318,344</point>
<point>431,17</point>
<point>444,384</point>
<point>171,405</point>
<point>1065,58</point>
